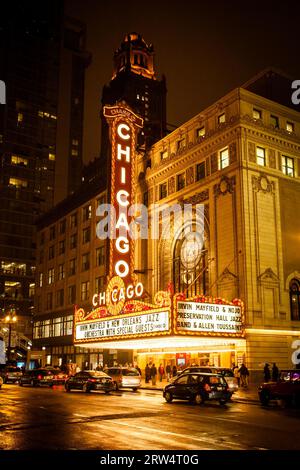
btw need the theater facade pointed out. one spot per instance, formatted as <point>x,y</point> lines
<point>213,276</point>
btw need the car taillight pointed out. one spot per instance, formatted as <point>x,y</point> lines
<point>92,380</point>
<point>39,377</point>
<point>207,388</point>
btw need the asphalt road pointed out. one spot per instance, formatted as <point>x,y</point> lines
<point>41,418</point>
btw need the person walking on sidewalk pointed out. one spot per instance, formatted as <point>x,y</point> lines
<point>161,372</point>
<point>267,373</point>
<point>153,374</point>
<point>174,371</point>
<point>147,374</point>
<point>168,371</point>
<point>275,373</point>
<point>244,374</point>
<point>236,374</point>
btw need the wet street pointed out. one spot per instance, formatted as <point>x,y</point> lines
<point>41,418</point>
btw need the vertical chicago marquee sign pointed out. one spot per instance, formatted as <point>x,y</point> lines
<point>119,313</point>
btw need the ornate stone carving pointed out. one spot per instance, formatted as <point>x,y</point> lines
<point>262,183</point>
<point>268,275</point>
<point>150,196</point>
<point>251,152</point>
<point>190,177</point>
<point>272,158</point>
<point>225,186</point>
<point>227,276</point>
<point>207,167</point>
<point>198,198</point>
<point>171,185</point>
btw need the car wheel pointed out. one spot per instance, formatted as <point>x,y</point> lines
<point>168,397</point>
<point>21,384</point>
<point>107,392</point>
<point>134,389</point>
<point>198,399</point>
<point>222,401</point>
<point>264,398</point>
<point>86,388</point>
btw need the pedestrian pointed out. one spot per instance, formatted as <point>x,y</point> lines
<point>161,372</point>
<point>138,369</point>
<point>174,371</point>
<point>236,374</point>
<point>147,374</point>
<point>275,373</point>
<point>244,375</point>
<point>267,373</point>
<point>168,371</point>
<point>153,374</point>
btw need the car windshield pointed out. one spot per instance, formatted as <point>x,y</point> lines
<point>97,373</point>
<point>130,372</point>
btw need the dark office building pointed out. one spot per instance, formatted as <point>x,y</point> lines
<point>42,62</point>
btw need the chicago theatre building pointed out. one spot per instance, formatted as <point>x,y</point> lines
<point>214,275</point>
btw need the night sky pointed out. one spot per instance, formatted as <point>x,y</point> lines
<point>204,48</point>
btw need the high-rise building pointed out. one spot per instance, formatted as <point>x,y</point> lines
<point>42,62</point>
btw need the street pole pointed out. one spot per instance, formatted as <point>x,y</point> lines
<point>9,342</point>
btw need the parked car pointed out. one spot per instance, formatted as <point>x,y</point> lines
<point>11,374</point>
<point>59,377</point>
<point>224,371</point>
<point>1,381</point>
<point>198,387</point>
<point>88,380</point>
<point>287,388</point>
<point>36,377</point>
<point>124,377</point>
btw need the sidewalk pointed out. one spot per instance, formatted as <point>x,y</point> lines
<point>243,395</point>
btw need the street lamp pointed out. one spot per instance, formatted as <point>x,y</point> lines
<point>10,320</point>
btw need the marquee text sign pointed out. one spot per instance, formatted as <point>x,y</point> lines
<point>207,318</point>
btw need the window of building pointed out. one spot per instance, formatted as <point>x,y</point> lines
<point>180,181</point>
<point>52,232</point>
<point>50,276</point>
<point>51,252</point>
<point>221,118</point>
<point>61,272</point>
<point>41,257</point>
<point>16,160</point>
<point>61,247</point>
<point>200,132</point>
<point>60,298</point>
<point>163,190</point>
<point>290,126</point>
<point>42,238</point>
<point>49,301</point>
<point>295,299</point>
<point>288,165</point>
<point>200,171</point>
<point>86,213</point>
<point>274,121</point>
<point>31,290</point>
<point>85,290</point>
<point>73,220</point>
<point>20,118</point>
<point>99,284</point>
<point>18,182</point>
<point>85,265</point>
<point>72,294</point>
<point>73,241</point>
<point>256,113</point>
<point>224,158</point>
<point>12,289</point>
<point>100,256</point>
<point>75,142</point>
<point>260,156</point>
<point>72,267</point>
<point>41,280</point>
<point>86,235</point>
<point>74,152</point>
<point>62,227</point>
<point>52,157</point>
<point>164,154</point>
